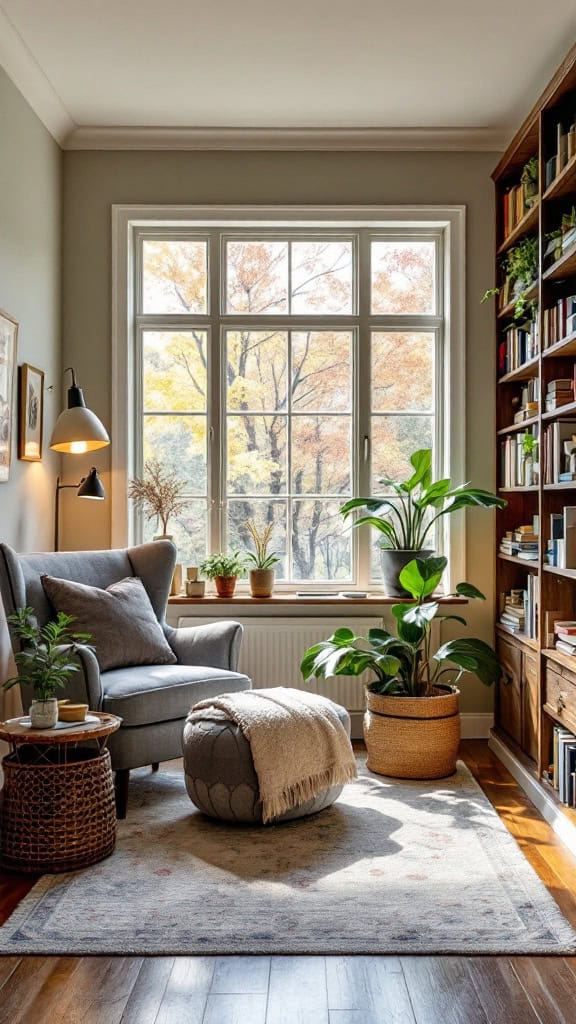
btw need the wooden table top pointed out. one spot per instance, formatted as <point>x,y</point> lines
<point>15,731</point>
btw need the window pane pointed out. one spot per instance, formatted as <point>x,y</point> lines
<point>321,277</point>
<point>321,371</point>
<point>256,277</point>
<point>257,370</point>
<point>256,454</point>
<point>321,455</point>
<point>262,512</point>
<point>175,276</point>
<point>179,444</point>
<point>175,371</point>
<point>402,371</point>
<point>394,440</point>
<point>189,531</point>
<point>321,544</point>
<point>403,277</point>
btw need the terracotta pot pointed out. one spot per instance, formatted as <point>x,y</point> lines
<point>44,713</point>
<point>412,737</point>
<point>261,582</point>
<point>225,585</point>
<point>392,561</point>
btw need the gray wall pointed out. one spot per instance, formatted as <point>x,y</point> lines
<point>93,181</point>
<point>30,279</point>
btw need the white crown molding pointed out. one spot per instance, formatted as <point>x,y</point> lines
<point>23,69</point>
<point>286,139</point>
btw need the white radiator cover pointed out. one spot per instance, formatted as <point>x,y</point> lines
<point>272,650</point>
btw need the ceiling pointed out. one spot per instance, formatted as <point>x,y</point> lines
<point>303,64</point>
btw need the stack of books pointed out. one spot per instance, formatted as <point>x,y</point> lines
<point>558,393</point>
<point>561,773</point>
<point>521,542</point>
<point>513,613</point>
<point>559,320</point>
<point>519,346</point>
<point>565,634</point>
<point>558,442</point>
<point>529,401</point>
<point>561,548</point>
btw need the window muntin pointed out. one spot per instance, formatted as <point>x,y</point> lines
<point>266,401</point>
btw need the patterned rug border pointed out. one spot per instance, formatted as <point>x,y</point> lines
<point>548,909</point>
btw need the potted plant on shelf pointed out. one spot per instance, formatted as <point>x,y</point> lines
<point>261,575</point>
<point>224,570</point>
<point>529,181</point>
<point>529,463</point>
<point>412,722</point>
<point>44,661</point>
<point>520,268</point>
<point>407,517</point>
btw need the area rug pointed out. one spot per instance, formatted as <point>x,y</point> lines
<point>392,867</point>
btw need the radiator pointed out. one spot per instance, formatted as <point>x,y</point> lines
<point>272,649</point>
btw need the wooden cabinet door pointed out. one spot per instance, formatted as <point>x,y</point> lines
<point>509,691</point>
<point>530,706</point>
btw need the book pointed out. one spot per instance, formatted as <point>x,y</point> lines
<point>566,648</point>
<point>565,626</point>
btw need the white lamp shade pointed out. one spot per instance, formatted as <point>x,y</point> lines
<point>78,430</point>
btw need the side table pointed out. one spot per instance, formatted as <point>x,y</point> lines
<point>58,809</point>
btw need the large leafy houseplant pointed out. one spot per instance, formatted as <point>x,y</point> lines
<point>406,516</point>
<point>412,724</point>
<point>403,664</point>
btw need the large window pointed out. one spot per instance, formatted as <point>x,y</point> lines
<point>279,371</point>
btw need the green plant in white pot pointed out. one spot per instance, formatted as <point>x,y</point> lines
<point>44,661</point>
<point>406,517</point>
<point>412,721</point>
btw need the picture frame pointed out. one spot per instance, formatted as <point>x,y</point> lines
<point>8,347</point>
<point>30,413</point>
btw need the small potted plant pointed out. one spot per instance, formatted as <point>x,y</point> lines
<point>44,661</point>
<point>261,575</point>
<point>412,723</point>
<point>224,570</point>
<point>520,269</point>
<point>407,517</point>
<point>529,180</point>
<point>159,493</point>
<point>529,464</point>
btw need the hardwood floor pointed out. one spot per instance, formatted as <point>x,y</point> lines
<point>314,990</point>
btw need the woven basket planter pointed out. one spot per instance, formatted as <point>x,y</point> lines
<point>57,816</point>
<point>412,737</point>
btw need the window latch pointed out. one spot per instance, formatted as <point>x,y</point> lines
<point>366,440</point>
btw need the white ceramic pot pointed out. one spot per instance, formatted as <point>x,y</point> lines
<point>44,713</point>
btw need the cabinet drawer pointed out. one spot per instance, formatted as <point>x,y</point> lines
<point>509,691</point>
<point>560,692</point>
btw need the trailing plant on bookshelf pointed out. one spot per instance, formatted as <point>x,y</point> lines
<point>520,270</point>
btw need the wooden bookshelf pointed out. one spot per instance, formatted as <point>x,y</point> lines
<point>526,709</point>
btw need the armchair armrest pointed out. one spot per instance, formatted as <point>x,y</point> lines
<point>86,683</point>
<point>216,645</point>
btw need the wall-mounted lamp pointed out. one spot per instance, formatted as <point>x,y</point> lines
<point>77,429</point>
<point>90,486</point>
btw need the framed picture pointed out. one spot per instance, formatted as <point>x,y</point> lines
<point>31,413</point>
<point>8,339</point>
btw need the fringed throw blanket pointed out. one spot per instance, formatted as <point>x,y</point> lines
<point>299,745</point>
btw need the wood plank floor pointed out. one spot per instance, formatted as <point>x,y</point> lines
<point>314,990</point>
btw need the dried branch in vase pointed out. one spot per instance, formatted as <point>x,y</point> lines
<point>159,493</point>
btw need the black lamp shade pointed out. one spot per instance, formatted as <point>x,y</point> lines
<point>91,486</point>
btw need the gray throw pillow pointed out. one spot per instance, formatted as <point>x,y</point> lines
<point>121,620</point>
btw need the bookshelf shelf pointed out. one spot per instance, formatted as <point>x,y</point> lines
<point>524,372</point>
<point>565,347</point>
<point>566,410</point>
<point>514,428</point>
<point>565,183</point>
<point>563,267</point>
<point>569,574</point>
<point>525,713</point>
<point>507,311</point>
<point>528,224</point>
<point>532,566</point>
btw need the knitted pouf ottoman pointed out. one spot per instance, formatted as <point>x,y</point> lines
<point>220,776</point>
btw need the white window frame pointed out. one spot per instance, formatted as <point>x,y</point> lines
<point>129,222</point>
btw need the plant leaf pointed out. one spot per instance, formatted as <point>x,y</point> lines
<point>469,590</point>
<point>473,656</point>
<point>421,576</point>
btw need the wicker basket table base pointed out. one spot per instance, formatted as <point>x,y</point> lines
<point>58,809</point>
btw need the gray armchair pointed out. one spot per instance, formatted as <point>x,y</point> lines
<point>151,700</point>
